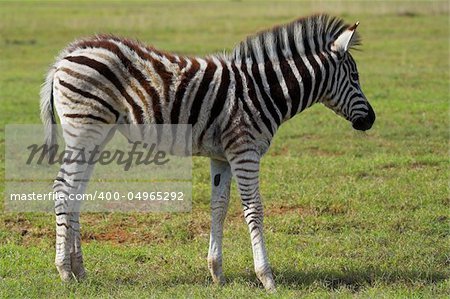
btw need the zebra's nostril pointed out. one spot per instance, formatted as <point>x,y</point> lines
<point>363,123</point>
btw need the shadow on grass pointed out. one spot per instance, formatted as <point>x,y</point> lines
<point>353,280</point>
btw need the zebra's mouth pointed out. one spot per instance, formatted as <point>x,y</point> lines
<point>366,122</point>
<point>362,124</point>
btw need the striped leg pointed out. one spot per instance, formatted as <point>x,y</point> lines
<point>68,257</point>
<point>76,256</point>
<point>246,171</point>
<point>71,180</point>
<point>220,195</point>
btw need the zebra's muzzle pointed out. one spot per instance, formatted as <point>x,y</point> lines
<point>366,122</point>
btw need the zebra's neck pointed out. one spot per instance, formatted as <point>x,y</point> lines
<point>280,87</point>
<point>290,65</point>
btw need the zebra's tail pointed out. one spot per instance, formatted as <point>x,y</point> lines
<point>48,115</point>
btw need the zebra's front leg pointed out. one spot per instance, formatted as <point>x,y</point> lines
<point>220,195</point>
<point>246,171</point>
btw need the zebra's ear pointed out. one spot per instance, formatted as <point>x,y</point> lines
<point>345,40</point>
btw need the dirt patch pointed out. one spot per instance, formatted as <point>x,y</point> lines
<point>407,14</point>
<point>423,164</point>
<point>286,209</point>
<point>118,235</point>
<point>19,225</point>
<point>388,166</point>
<point>137,228</point>
<point>318,151</point>
<point>283,151</point>
<point>20,42</point>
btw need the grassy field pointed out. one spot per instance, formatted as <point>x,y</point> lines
<point>347,214</point>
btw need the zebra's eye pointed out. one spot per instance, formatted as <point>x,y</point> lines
<point>355,76</point>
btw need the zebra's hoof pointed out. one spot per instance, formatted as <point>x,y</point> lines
<point>219,280</point>
<point>66,276</point>
<point>215,267</point>
<point>80,275</point>
<point>267,280</point>
<point>79,272</point>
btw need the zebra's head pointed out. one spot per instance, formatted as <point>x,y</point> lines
<point>345,96</point>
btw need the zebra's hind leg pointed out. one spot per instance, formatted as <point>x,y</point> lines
<point>71,182</point>
<point>68,259</point>
<point>246,170</point>
<point>220,195</point>
<point>76,256</point>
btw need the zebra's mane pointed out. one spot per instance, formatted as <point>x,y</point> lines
<point>295,37</point>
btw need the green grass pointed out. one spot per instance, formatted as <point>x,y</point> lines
<point>347,214</point>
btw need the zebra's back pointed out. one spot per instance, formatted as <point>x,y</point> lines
<point>109,80</point>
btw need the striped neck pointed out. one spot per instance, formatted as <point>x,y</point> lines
<point>290,65</point>
<point>281,86</point>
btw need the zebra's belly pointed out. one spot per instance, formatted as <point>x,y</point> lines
<point>209,151</point>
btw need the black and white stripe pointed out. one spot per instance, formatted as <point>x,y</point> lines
<point>234,102</point>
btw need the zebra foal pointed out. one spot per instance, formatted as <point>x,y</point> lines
<point>235,103</point>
